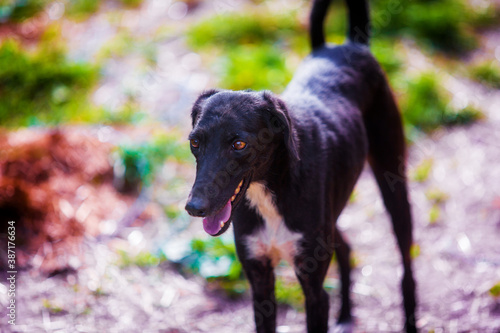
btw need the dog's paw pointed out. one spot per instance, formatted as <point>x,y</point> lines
<point>343,328</point>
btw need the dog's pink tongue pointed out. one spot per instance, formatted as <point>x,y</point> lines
<point>212,224</point>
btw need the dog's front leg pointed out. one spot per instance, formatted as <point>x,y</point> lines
<point>260,273</point>
<point>311,266</point>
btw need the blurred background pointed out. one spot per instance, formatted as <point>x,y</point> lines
<point>95,165</point>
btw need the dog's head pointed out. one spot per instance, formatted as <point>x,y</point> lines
<point>236,137</point>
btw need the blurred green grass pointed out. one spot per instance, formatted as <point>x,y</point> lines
<point>487,73</point>
<point>19,10</point>
<point>82,9</point>
<point>259,67</point>
<point>215,259</point>
<point>443,25</point>
<point>426,105</point>
<point>250,47</point>
<point>251,27</point>
<point>142,259</point>
<point>136,164</point>
<point>42,86</point>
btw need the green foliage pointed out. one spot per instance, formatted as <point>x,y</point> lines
<point>445,25</point>
<point>423,106</point>
<point>354,260</point>
<point>253,45</point>
<point>336,21</point>
<point>20,10</point>
<point>99,292</point>
<point>254,67</point>
<point>81,9</point>
<point>215,259</point>
<point>434,214</point>
<point>415,251</point>
<point>43,87</point>
<point>436,196</point>
<point>289,293</point>
<point>86,311</point>
<point>422,171</point>
<point>495,290</point>
<point>172,211</point>
<point>488,73</point>
<point>132,3</point>
<point>386,52</point>
<point>426,105</point>
<point>139,162</point>
<point>119,46</point>
<point>51,306</point>
<point>229,30</point>
<point>124,44</point>
<point>353,197</point>
<point>143,259</point>
<point>213,250</point>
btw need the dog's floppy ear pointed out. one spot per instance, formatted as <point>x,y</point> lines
<point>280,120</point>
<point>200,101</point>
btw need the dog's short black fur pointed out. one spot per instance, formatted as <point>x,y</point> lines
<point>282,169</point>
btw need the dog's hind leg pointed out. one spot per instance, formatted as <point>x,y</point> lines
<point>342,253</point>
<point>387,160</point>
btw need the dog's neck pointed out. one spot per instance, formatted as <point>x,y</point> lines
<point>278,172</point>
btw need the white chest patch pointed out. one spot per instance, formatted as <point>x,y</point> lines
<point>274,241</point>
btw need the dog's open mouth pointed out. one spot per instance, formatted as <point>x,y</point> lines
<point>219,222</point>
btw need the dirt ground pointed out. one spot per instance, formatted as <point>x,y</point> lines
<point>457,235</point>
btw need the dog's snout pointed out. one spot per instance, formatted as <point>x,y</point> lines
<point>197,207</point>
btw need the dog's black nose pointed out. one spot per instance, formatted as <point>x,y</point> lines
<point>197,207</point>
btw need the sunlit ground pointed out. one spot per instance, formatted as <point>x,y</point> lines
<point>95,168</point>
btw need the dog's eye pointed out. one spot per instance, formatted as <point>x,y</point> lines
<point>195,143</point>
<point>239,145</point>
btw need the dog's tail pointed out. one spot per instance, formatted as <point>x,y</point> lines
<point>359,22</point>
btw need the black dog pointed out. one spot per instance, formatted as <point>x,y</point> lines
<point>282,169</point>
